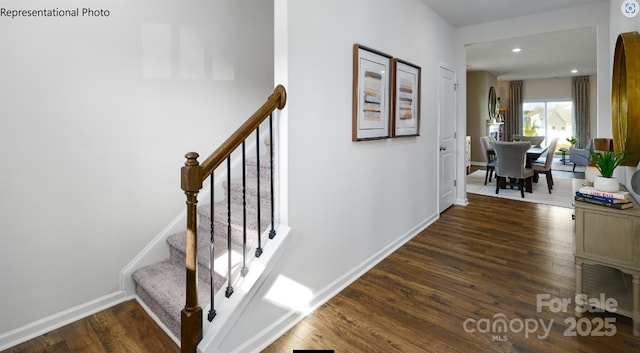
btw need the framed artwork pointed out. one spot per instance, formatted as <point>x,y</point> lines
<point>371,94</point>
<point>406,99</point>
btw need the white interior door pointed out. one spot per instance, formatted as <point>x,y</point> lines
<point>447,133</point>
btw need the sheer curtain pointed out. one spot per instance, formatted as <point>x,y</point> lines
<point>581,105</point>
<point>513,123</point>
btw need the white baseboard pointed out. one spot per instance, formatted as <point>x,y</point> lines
<point>280,326</point>
<point>52,322</point>
<point>462,202</point>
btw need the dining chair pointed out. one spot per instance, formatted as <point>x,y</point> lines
<point>511,158</point>
<point>545,168</point>
<point>489,158</point>
<point>536,141</point>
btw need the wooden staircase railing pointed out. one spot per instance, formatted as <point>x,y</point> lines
<point>193,175</point>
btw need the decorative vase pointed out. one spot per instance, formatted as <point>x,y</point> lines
<point>606,184</point>
<point>590,173</point>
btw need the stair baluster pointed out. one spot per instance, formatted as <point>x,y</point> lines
<point>272,233</point>
<point>245,269</point>
<point>259,248</point>
<point>229,290</point>
<point>212,310</point>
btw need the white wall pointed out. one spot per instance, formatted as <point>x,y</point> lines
<point>619,24</point>
<point>96,115</point>
<point>596,15</point>
<point>349,200</point>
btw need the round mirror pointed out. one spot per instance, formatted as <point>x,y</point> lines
<point>492,103</point>
<point>625,105</point>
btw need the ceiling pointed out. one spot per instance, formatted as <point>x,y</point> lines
<point>542,56</point>
<point>462,13</point>
<point>546,55</point>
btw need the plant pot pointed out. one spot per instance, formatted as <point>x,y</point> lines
<point>606,184</point>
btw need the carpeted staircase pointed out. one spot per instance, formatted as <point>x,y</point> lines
<point>161,286</point>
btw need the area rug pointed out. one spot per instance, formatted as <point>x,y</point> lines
<point>561,194</point>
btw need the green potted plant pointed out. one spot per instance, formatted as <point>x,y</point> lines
<point>606,162</point>
<point>572,140</point>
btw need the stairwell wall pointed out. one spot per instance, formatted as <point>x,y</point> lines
<point>96,114</point>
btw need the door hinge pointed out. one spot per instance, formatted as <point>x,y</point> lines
<point>454,183</point>
<point>455,86</point>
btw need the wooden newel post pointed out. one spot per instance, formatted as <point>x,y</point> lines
<point>191,318</point>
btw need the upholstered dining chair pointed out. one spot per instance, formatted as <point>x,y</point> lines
<point>489,158</point>
<point>545,168</point>
<point>511,158</point>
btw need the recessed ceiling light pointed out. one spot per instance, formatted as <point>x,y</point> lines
<point>516,50</point>
<point>574,71</point>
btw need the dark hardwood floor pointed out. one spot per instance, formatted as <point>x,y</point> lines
<point>475,265</point>
<point>439,293</point>
<point>123,328</point>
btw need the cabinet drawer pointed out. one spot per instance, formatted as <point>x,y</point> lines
<point>608,236</point>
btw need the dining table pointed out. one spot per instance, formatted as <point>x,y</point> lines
<point>533,154</point>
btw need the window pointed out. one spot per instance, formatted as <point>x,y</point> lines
<point>553,119</point>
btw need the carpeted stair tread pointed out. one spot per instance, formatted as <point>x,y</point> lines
<point>265,167</point>
<point>162,288</point>
<point>237,224</point>
<point>251,189</point>
<point>177,243</point>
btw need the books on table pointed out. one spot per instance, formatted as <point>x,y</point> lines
<point>618,199</point>
<point>590,190</point>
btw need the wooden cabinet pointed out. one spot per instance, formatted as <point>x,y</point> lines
<point>607,255</point>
